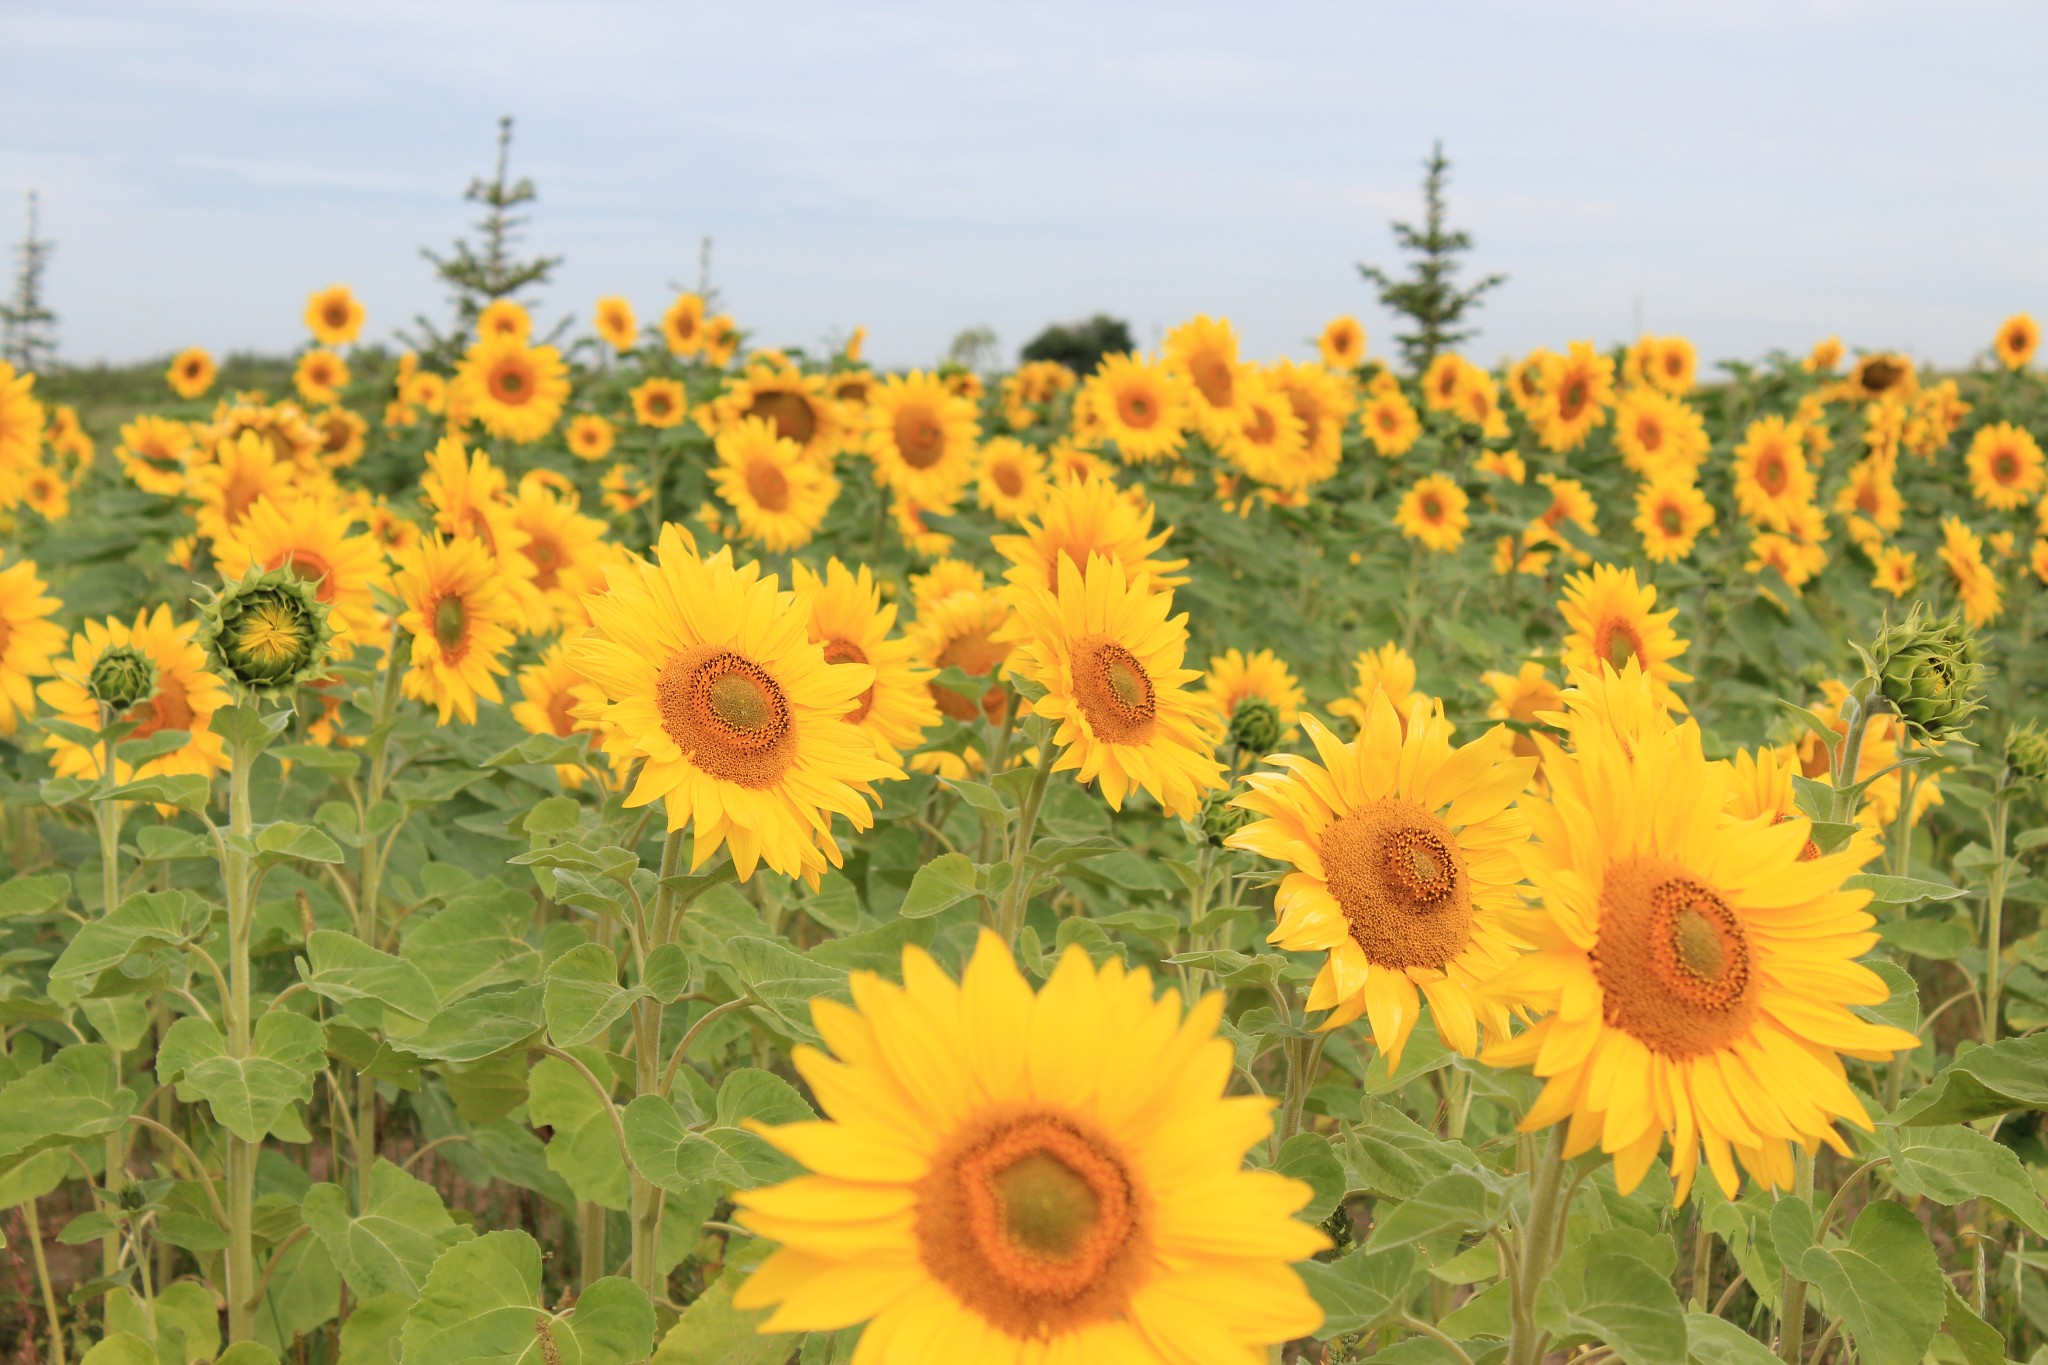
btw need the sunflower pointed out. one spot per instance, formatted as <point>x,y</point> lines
<point>311,537</point>
<point>154,452</point>
<point>850,623</point>
<point>1016,1205</point>
<point>1342,343</point>
<point>334,316</point>
<point>1528,378</point>
<point>1976,585</point>
<point>342,436</point>
<point>1877,767</point>
<point>1387,671</point>
<point>967,629</point>
<point>780,497</point>
<point>1268,438</point>
<point>1670,514</point>
<point>1443,380</point>
<point>682,326</point>
<point>1080,517</point>
<point>920,537</point>
<point>2005,467</point>
<point>1824,356</point>
<point>283,426</point>
<point>555,700</point>
<point>1871,493</point>
<point>721,341</point>
<point>504,320</point>
<point>1111,660</point>
<point>1012,481</point>
<point>1896,572</point>
<point>515,390</point>
<point>1522,699</point>
<point>1065,460</point>
<point>1391,424</point>
<point>1478,404</point>
<point>590,437</point>
<point>568,550</point>
<point>1404,852</point>
<point>798,404</point>
<point>1143,407</point>
<point>1610,620</point>
<point>320,376</point>
<point>458,616</point>
<point>1771,473</point>
<point>1668,364</point>
<point>29,640</point>
<point>1204,350</point>
<point>1433,513</point>
<point>1881,375</point>
<point>181,695</point>
<point>614,321</point>
<point>659,403</point>
<point>45,492</point>
<point>1655,432</point>
<point>942,580</point>
<point>244,470</point>
<point>1696,974</point>
<point>1576,390</point>
<point>1778,553</point>
<point>710,678</point>
<point>2019,336</point>
<point>1503,464</point>
<point>21,426</point>
<point>470,501</point>
<point>1569,503</point>
<point>425,389</point>
<point>1235,677</point>
<point>191,373</point>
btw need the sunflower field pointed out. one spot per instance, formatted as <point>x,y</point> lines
<point>616,846</point>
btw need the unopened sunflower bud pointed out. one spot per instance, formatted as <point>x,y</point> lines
<point>1220,819</point>
<point>124,678</point>
<point>2026,753</point>
<point>267,632</point>
<point>1929,671</point>
<point>1255,725</point>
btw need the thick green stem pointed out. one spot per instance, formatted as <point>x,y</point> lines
<point>1849,760</point>
<point>1994,915</point>
<point>590,1230</point>
<point>238,1018</point>
<point>1702,1260</point>
<point>647,1196</point>
<point>369,895</point>
<point>1302,1054</point>
<point>107,816</point>
<point>1017,896</point>
<point>1792,1289</point>
<point>1538,1248</point>
<point>35,1242</point>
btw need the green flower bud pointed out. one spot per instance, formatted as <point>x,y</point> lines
<point>2026,752</point>
<point>1220,819</point>
<point>267,633</point>
<point>124,678</point>
<point>1255,725</point>
<point>1929,671</point>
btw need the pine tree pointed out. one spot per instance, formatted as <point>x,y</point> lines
<point>28,329</point>
<point>1429,297</point>
<point>479,275</point>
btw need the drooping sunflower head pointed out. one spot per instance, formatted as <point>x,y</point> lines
<point>267,632</point>
<point>1403,851</point>
<point>335,316</point>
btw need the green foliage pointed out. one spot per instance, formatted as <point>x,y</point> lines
<point>1429,298</point>
<point>1080,346</point>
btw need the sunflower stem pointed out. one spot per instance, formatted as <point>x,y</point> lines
<point>35,1242</point>
<point>1994,916</point>
<point>1017,896</point>
<point>241,1154</point>
<point>107,816</point>
<point>369,895</point>
<point>1538,1249</point>
<point>1792,1289</point>
<point>647,1072</point>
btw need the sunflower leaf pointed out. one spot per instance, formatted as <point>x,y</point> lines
<point>1981,1082</point>
<point>1360,1291</point>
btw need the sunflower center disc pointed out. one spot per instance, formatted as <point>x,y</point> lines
<point>791,414</point>
<point>920,439</point>
<point>166,710</point>
<point>1770,473</point>
<point>727,714</point>
<point>1668,517</point>
<point>510,385</point>
<point>1033,1222</point>
<point>1395,871</point>
<point>1137,410</point>
<point>1619,646</point>
<point>768,485</point>
<point>839,651</point>
<point>1114,691</point>
<point>1572,400</point>
<point>1010,480</point>
<point>1214,379</point>
<point>451,622</point>
<point>1672,959</point>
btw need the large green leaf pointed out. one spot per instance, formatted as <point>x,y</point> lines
<point>1951,1164</point>
<point>481,1303</point>
<point>153,919</point>
<point>76,1094</point>
<point>781,980</point>
<point>1472,1199</point>
<point>477,1026</point>
<point>1360,1291</point>
<point>471,947</point>
<point>1982,1081</point>
<point>34,895</point>
<point>392,1244</point>
<point>671,1155</point>
<point>1604,1289</point>
<point>583,996</point>
<point>248,1095</point>
<point>584,1147</point>
<point>1884,1283</point>
<point>1978,1340</point>
<point>1308,1157</point>
<point>940,885</point>
<point>1716,1341</point>
<point>1391,1155</point>
<point>342,968</point>
<point>712,1332</point>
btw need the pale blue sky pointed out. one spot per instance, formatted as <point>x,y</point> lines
<point>1753,175</point>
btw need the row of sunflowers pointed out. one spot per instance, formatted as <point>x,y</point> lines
<point>620,846</point>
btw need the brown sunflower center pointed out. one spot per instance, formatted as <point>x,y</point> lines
<point>1771,475</point>
<point>561,712</point>
<point>546,554</point>
<point>1396,873</point>
<point>1649,433</point>
<point>511,384</point>
<point>1432,508</point>
<point>1033,1221</point>
<point>1670,520</point>
<point>844,651</point>
<point>167,709</point>
<point>1262,428</point>
<point>1572,399</point>
<point>336,434</point>
<point>919,437</point>
<point>768,485</point>
<point>1009,479</point>
<point>790,412</point>
<point>451,624</point>
<point>336,315</point>
<point>727,714</point>
<point>1114,691</point>
<point>1617,643</point>
<point>1673,959</point>
<point>1880,374</point>
<point>2005,466</point>
<point>1136,408</point>
<point>658,404</point>
<point>1216,380</point>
